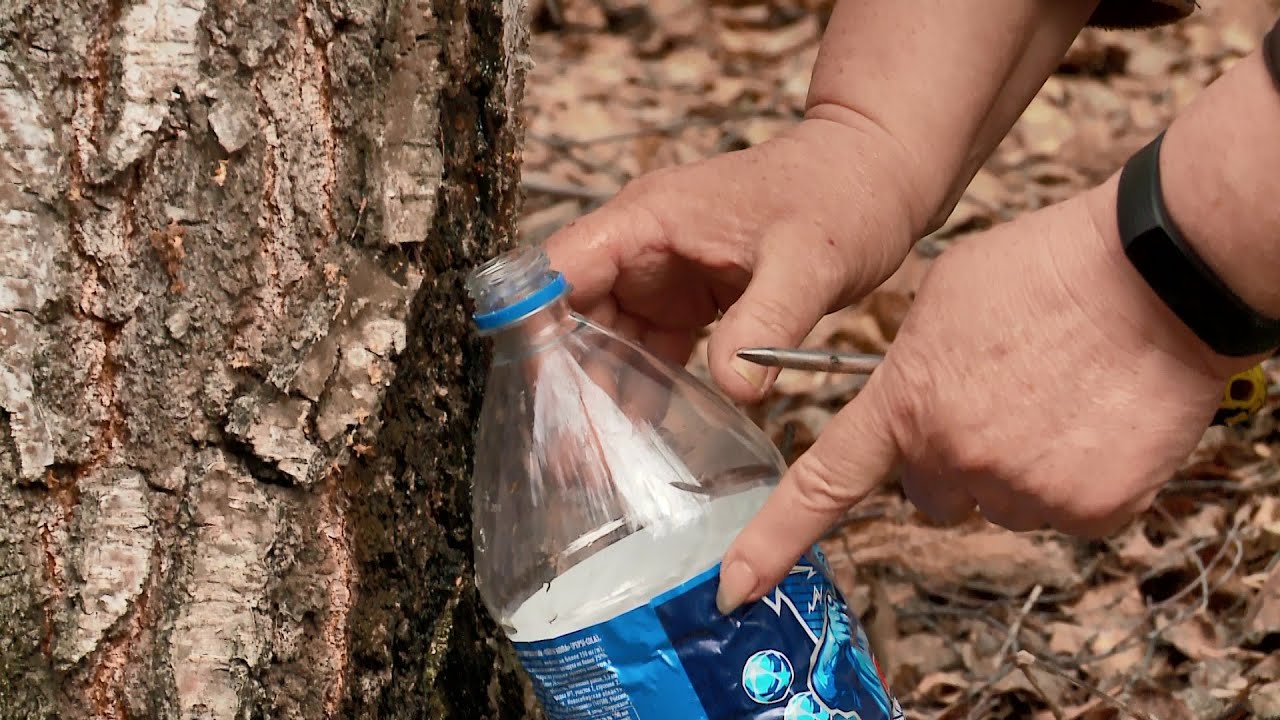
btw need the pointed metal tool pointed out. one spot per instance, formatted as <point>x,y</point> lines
<point>821,360</point>
<point>1245,396</point>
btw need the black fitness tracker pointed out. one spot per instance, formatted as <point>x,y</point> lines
<point>1176,273</point>
<point>1271,53</point>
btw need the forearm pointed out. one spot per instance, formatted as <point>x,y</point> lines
<point>1220,171</point>
<point>946,80</point>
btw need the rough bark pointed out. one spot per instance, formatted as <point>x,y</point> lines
<point>237,380</point>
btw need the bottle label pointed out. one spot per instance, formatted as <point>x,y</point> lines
<point>796,654</point>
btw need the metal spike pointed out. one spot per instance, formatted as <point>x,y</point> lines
<point>822,360</point>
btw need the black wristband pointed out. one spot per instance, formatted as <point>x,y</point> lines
<point>1271,53</point>
<point>1176,273</point>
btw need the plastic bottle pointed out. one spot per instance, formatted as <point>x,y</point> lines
<point>608,484</point>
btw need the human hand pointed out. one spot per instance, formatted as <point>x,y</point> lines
<point>774,237</point>
<point>1057,391</point>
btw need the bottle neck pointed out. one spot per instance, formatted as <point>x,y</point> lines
<point>533,333</point>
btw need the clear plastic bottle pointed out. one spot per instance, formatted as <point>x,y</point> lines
<point>608,484</point>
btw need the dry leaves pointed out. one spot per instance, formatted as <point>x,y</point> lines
<point>968,554</point>
<point>1176,617</point>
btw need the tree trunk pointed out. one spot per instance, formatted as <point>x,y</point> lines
<point>237,377</point>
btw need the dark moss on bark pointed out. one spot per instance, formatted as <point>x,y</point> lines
<point>412,508</point>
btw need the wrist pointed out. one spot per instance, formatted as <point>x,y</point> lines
<point>1218,167</point>
<point>1126,295</point>
<point>945,82</point>
<point>882,188</point>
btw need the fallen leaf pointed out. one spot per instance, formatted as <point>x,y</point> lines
<point>536,226</point>
<point>1044,128</point>
<point>678,19</point>
<point>1208,522</point>
<point>1113,612</point>
<point>968,214</point>
<point>1263,615</point>
<point>689,67</point>
<point>983,552</point>
<point>889,308</point>
<point>806,422</point>
<point>1268,669</point>
<point>1264,701</point>
<point>1267,516</point>
<point>1202,40</point>
<point>1150,60</point>
<point>859,331</point>
<point>1067,638</point>
<point>1135,548</point>
<point>1217,673</point>
<point>769,44</point>
<point>761,129</point>
<point>583,14</point>
<point>920,655</point>
<point>1159,704</point>
<point>1194,637</point>
<point>1051,690</point>
<point>943,681</point>
<point>1185,90</point>
<point>1201,702</point>
<point>1094,98</point>
<point>1238,39</point>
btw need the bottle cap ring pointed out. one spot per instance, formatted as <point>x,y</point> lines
<point>525,306</point>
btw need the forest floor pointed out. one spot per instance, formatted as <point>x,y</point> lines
<point>1178,616</point>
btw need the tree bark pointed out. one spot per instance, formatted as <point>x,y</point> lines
<point>237,376</point>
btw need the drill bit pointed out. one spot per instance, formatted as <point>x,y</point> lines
<point>823,360</point>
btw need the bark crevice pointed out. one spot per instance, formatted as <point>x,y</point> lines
<point>238,379</point>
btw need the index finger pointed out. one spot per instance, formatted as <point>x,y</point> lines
<point>853,455</point>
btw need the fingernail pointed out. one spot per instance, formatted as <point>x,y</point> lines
<point>749,371</point>
<point>737,582</point>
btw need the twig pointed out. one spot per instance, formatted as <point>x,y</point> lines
<point>1011,639</point>
<point>592,165</point>
<point>364,203</point>
<point>981,695</point>
<point>562,143</point>
<point>1265,475</point>
<point>982,706</point>
<point>1026,660</point>
<point>547,186</point>
<point>1133,675</point>
<point>1203,577</point>
<point>1025,667</point>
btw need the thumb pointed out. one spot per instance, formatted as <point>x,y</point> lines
<point>790,290</point>
<point>593,249</point>
<point>854,454</point>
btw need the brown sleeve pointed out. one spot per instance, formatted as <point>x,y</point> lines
<point>1133,14</point>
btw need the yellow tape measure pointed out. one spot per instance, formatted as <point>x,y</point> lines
<point>1242,398</point>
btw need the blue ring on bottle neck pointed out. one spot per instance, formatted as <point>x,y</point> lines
<point>525,306</point>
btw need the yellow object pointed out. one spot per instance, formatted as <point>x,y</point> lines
<point>1244,396</point>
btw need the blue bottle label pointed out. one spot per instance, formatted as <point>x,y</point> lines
<point>797,654</point>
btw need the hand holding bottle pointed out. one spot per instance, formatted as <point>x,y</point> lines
<point>774,237</point>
